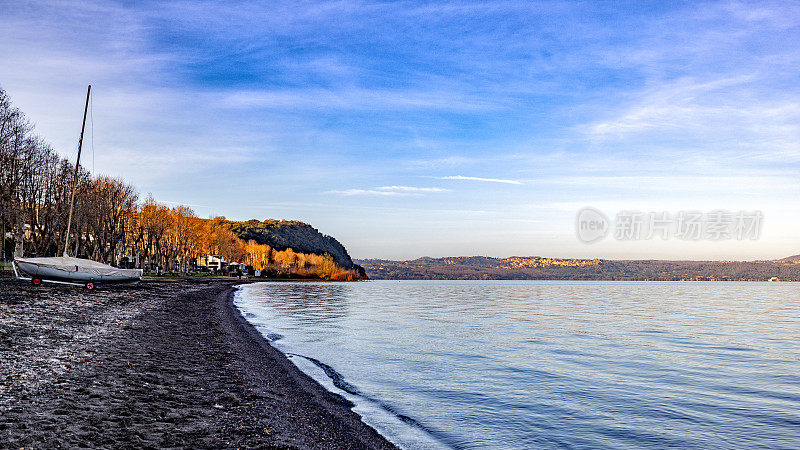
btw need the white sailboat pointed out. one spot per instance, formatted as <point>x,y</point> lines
<point>75,270</point>
<point>66,269</point>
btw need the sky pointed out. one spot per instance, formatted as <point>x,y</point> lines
<point>409,129</point>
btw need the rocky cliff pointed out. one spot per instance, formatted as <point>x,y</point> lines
<point>300,237</point>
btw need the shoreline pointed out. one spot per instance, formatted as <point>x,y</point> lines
<point>158,364</point>
<point>339,408</point>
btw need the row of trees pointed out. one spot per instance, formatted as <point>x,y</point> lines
<point>174,239</point>
<point>35,187</point>
<point>109,222</point>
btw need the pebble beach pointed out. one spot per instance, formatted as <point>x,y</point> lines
<point>155,364</point>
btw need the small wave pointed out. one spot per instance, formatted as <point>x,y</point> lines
<point>442,438</point>
<point>339,382</point>
<point>336,377</point>
<point>274,336</point>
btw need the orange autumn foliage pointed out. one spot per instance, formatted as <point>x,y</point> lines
<point>264,257</point>
<point>172,239</point>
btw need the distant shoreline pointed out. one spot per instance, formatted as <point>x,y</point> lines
<point>539,268</point>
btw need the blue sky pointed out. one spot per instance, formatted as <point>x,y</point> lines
<point>446,128</point>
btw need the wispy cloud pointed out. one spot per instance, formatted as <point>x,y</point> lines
<point>368,192</point>
<point>728,117</point>
<point>434,98</point>
<point>182,204</point>
<point>205,104</point>
<point>697,105</point>
<point>411,189</point>
<point>392,191</point>
<point>724,94</point>
<point>488,180</point>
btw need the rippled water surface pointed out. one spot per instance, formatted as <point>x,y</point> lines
<point>470,364</point>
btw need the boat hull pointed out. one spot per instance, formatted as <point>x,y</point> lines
<point>75,274</point>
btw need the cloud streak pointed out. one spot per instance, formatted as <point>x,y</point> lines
<point>486,180</point>
<point>389,191</point>
<point>433,98</point>
<point>411,189</point>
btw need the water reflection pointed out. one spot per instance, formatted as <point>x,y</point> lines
<point>324,304</point>
<point>575,364</point>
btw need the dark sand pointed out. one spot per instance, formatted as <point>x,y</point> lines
<point>158,364</point>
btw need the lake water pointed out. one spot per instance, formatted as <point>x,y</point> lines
<point>532,364</point>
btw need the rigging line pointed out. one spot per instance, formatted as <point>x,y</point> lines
<point>91,115</point>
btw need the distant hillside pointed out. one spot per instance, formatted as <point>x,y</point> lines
<point>538,268</point>
<point>789,259</point>
<point>298,236</point>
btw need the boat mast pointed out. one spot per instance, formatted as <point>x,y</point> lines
<point>75,178</point>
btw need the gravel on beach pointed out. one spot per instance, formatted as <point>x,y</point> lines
<point>155,364</point>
